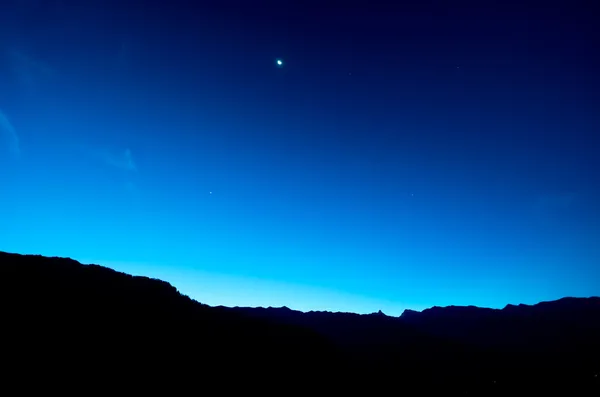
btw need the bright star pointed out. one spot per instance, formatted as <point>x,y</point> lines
<point>279,62</point>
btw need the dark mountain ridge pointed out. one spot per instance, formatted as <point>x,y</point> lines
<point>67,324</point>
<point>64,321</point>
<point>522,326</point>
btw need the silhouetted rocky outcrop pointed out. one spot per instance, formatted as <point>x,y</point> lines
<point>86,327</point>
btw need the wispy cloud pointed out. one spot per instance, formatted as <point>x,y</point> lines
<point>550,207</point>
<point>123,160</point>
<point>8,135</point>
<point>28,69</point>
<point>557,201</point>
<point>123,59</point>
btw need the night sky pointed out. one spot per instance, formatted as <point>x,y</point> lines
<point>403,155</point>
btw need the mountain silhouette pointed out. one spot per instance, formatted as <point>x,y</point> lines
<point>87,328</point>
<point>67,324</point>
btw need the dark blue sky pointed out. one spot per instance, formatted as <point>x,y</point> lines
<point>407,154</point>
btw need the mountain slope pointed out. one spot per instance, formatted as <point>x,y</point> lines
<point>65,321</point>
<point>543,346</point>
<point>568,324</point>
<point>67,326</point>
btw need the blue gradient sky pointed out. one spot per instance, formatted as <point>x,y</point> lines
<point>405,155</point>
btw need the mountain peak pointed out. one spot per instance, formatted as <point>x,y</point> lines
<point>409,312</point>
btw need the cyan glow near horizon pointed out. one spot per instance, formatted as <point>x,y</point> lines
<point>398,159</point>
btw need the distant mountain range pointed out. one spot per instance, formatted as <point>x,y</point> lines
<point>87,328</point>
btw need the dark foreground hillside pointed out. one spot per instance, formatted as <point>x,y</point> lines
<point>89,327</point>
<point>85,328</point>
